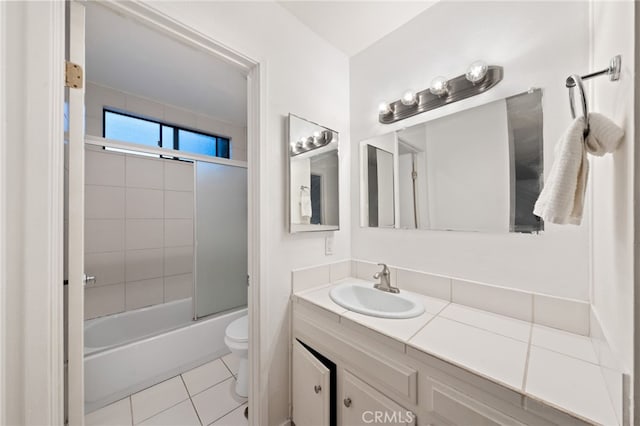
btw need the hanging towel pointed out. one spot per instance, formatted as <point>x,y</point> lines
<point>562,198</point>
<point>305,205</point>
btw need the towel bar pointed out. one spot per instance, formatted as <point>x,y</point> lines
<point>575,80</point>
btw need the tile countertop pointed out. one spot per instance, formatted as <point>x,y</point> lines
<point>549,365</point>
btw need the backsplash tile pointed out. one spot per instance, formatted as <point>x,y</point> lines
<point>419,282</point>
<point>303,279</point>
<point>340,270</point>
<point>512,303</point>
<point>565,314</point>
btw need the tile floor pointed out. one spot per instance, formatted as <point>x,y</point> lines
<point>200,397</point>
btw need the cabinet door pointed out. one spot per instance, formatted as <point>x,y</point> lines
<point>363,405</point>
<point>311,389</point>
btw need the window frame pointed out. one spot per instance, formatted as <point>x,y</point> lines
<point>176,131</point>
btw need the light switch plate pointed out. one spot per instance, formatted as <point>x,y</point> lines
<point>328,245</point>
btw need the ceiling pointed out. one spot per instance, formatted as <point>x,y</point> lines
<point>124,54</point>
<point>352,26</point>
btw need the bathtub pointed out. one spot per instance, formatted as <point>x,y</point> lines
<point>128,352</point>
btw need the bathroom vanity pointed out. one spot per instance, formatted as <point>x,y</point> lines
<point>451,365</point>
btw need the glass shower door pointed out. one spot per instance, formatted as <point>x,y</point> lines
<point>220,238</point>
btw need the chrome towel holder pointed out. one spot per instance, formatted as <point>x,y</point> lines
<point>613,71</point>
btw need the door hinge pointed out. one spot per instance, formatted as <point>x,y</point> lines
<point>73,76</point>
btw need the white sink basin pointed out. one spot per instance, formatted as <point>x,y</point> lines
<point>364,299</point>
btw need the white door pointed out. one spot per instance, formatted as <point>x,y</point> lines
<point>363,405</point>
<point>75,236</point>
<point>311,389</point>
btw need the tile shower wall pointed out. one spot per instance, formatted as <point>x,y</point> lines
<point>98,97</point>
<point>138,231</point>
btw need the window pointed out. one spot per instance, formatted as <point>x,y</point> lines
<point>128,128</point>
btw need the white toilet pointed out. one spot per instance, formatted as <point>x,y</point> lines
<point>237,340</point>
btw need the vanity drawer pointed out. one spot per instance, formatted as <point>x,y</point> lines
<point>447,406</point>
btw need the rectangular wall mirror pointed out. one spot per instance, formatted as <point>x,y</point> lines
<point>476,170</point>
<point>313,177</point>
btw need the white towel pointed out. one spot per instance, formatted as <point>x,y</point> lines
<point>305,205</point>
<point>562,198</point>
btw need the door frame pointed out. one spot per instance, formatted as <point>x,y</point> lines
<point>256,157</point>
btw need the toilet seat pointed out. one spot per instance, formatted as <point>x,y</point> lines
<point>238,330</point>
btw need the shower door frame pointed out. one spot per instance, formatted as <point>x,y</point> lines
<point>256,177</point>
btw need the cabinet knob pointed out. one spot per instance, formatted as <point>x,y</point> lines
<point>317,388</point>
<point>347,402</point>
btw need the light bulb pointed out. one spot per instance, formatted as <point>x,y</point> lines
<point>439,86</point>
<point>384,108</point>
<point>409,98</point>
<point>476,71</point>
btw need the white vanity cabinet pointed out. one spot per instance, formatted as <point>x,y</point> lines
<point>379,376</point>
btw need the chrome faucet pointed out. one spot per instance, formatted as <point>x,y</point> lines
<point>385,280</point>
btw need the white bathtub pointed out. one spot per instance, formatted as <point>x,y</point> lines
<point>127,352</point>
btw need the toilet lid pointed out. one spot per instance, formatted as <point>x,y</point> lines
<point>238,330</point>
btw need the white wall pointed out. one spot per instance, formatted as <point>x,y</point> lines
<point>267,33</point>
<point>97,97</point>
<point>612,178</point>
<point>539,44</point>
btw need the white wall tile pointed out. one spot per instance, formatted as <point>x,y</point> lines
<point>178,260</point>
<point>144,172</point>
<point>145,203</point>
<point>178,232</point>
<point>144,107</point>
<point>303,279</point>
<point>340,270</point>
<point>419,282</point>
<point>565,314</point>
<point>144,293</point>
<point>104,168</point>
<point>178,287</point>
<point>178,205</point>
<point>103,300</point>
<point>108,268</point>
<point>143,264</point>
<point>500,300</point>
<point>144,233</point>
<point>178,176</point>
<point>101,235</point>
<point>103,202</point>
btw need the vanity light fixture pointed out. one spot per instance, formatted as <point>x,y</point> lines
<point>478,78</point>
<point>317,140</point>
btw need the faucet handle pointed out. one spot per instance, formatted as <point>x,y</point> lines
<point>376,275</point>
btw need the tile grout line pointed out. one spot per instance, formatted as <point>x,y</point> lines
<point>225,364</point>
<point>526,362</point>
<point>225,414</point>
<point>191,400</point>
<point>434,316</point>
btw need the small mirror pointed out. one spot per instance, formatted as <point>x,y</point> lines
<point>313,177</point>
<point>479,170</point>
